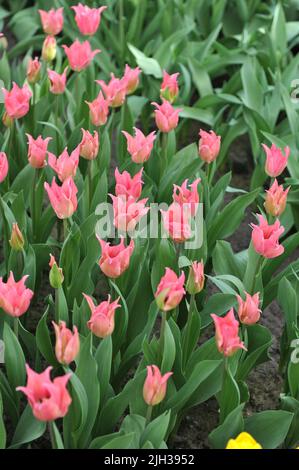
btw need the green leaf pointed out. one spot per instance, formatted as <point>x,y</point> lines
<point>269,428</point>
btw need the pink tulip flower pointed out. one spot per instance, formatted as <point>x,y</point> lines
<point>63,198</point>
<point>131,77</point>
<point>249,312</point>
<point>177,222</point>
<point>209,146</point>
<point>17,100</point>
<point>140,146</point>
<point>182,195</point>
<point>276,161</point>
<point>33,70</point>
<point>155,386</point>
<point>67,343</point>
<point>128,186</point>
<point>65,165</point>
<point>14,296</point>
<point>115,91</point>
<point>196,279</point>
<point>48,399</point>
<point>115,259</point>
<point>88,19</point>
<point>98,110</point>
<point>167,118</point>
<point>265,238</point>
<point>89,145</point>
<point>169,88</point>
<point>57,81</point>
<point>37,151</point>
<point>101,322</point>
<point>52,21</point>
<point>276,199</point>
<point>170,290</point>
<point>3,166</point>
<point>227,334</point>
<point>128,212</point>
<point>80,55</point>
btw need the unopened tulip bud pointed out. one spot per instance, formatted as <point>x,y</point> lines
<point>196,278</point>
<point>56,275</point>
<point>33,71</point>
<point>49,49</point>
<point>16,239</point>
<point>155,386</point>
<point>276,199</point>
<point>7,120</point>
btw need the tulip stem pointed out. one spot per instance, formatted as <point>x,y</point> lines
<point>162,333</point>
<point>148,414</point>
<point>16,326</point>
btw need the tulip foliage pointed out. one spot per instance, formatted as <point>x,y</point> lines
<point>113,331</point>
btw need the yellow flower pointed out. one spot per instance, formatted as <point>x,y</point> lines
<point>243,441</point>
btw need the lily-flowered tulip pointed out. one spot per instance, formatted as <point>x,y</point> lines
<point>67,343</point>
<point>49,49</point>
<point>14,296</point>
<point>276,199</point>
<point>140,146</point>
<point>3,166</point>
<point>52,21</point>
<point>98,110</point>
<point>115,259</point>
<point>56,276</point>
<point>243,441</point>
<point>176,221</point>
<point>265,238</point>
<point>115,91</point>
<point>48,399</point>
<point>88,19</point>
<point>227,334</point>
<point>89,145</point>
<point>170,290</point>
<point>182,195</point>
<point>249,312</point>
<point>16,101</point>
<point>196,278</point>
<point>209,146</point>
<point>37,151</point>
<point>63,198</point>
<point>167,118</point>
<point>80,55</point>
<point>128,212</point>
<point>169,88</point>
<point>33,70</point>
<point>131,77</point>
<point>276,161</point>
<point>16,239</point>
<point>101,322</point>
<point>127,185</point>
<point>65,165</point>
<point>155,386</point>
<point>57,81</point>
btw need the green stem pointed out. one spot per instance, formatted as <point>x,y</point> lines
<point>16,326</point>
<point>51,432</point>
<point>149,414</point>
<point>162,333</point>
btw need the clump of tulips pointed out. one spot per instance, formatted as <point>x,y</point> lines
<point>118,339</point>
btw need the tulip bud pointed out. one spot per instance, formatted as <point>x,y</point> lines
<point>56,275</point>
<point>196,278</point>
<point>33,71</point>
<point>16,239</point>
<point>49,49</point>
<point>155,385</point>
<point>7,120</point>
